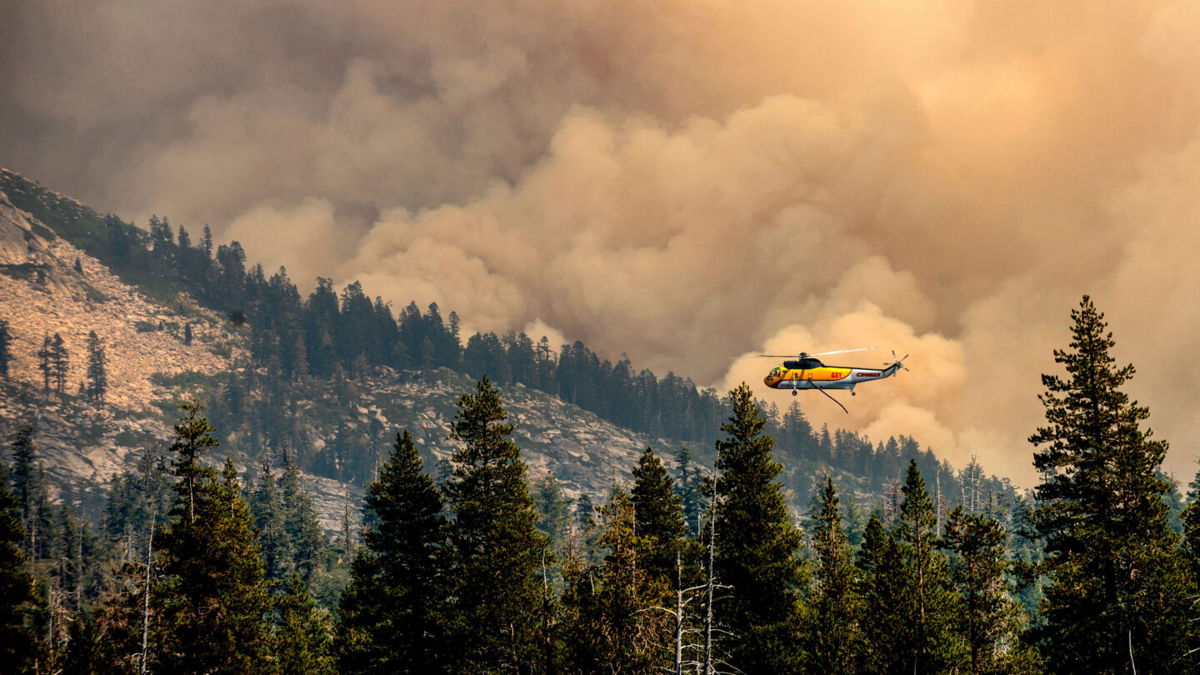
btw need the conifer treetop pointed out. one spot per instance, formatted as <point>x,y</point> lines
<point>1093,436</point>
<point>480,424</point>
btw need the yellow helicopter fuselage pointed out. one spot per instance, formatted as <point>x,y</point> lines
<point>812,374</point>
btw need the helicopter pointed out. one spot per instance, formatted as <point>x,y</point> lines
<point>805,371</point>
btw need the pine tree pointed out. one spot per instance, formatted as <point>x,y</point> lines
<point>304,539</point>
<point>989,622</point>
<point>659,520</point>
<point>585,511</point>
<point>1119,597</point>
<point>137,498</point>
<point>927,598</point>
<point>304,635</point>
<point>1190,542</point>
<point>266,508</point>
<point>882,591</point>
<point>613,627</point>
<point>184,239</point>
<point>59,363</point>
<point>835,640</point>
<point>45,356</point>
<point>187,334</point>
<point>211,595</point>
<point>758,545</point>
<point>5,348</point>
<point>16,587</point>
<point>27,485</point>
<point>554,511</point>
<point>394,614</point>
<point>97,372</point>
<point>499,551</point>
<point>688,489</point>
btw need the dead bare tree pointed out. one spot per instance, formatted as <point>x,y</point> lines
<point>679,614</point>
<point>145,665</point>
<point>713,664</point>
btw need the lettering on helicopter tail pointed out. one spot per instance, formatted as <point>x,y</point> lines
<point>863,373</point>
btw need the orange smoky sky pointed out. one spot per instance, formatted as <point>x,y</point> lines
<point>689,182</point>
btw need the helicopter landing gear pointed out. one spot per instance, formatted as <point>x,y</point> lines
<point>853,393</point>
<point>795,393</point>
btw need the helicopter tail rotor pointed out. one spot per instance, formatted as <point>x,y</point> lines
<point>898,362</point>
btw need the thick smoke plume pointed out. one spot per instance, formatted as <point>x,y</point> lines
<point>686,182</point>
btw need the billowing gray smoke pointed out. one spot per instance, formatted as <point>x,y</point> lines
<point>682,181</point>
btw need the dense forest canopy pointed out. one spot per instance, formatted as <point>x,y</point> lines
<point>195,570</point>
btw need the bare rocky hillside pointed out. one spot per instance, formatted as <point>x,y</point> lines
<point>43,291</point>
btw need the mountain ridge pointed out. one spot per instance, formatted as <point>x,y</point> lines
<point>335,424</point>
<point>147,360</point>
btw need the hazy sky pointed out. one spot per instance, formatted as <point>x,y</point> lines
<point>684,181</point>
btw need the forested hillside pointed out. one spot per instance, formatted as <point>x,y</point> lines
<point>339,346</point>
<point>474,569</point>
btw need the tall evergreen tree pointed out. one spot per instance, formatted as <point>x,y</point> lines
<point>757,546</point>
<point>554,510</point>
<point>16,587</point>
<point>613,628</point>
<point>688,489</point>
<point>499,551</point>
<point>304,635</point>
<point>266,508</point>
<point>138,497</point>
<point>59,363</point>
<point>659,520</point>
<point>394,614</point>
<point>97,370</point>
<point>1191,526</point>
<point>882,591</point>
<point>206,242</point>
<point>303,537</point>
<point>211,595</point>
<point>1119,598</point>
<point>834,635</point>
<point>5,348</point>
<point>989,622</point>
<point>45,356</point>
<point>27,485</point>
<point>184,239</point>
<point>928,642</point>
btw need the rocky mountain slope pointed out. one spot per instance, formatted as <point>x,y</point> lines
<point>336,426</point>
<point>49,286</point>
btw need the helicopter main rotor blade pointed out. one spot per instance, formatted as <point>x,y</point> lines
<point>777,356</point>
<point>843,351</point>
